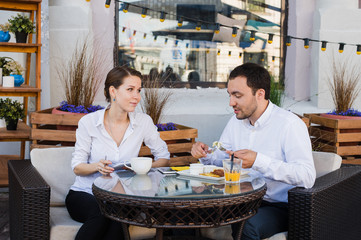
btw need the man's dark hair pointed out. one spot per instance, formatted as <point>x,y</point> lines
<point>257,77</point>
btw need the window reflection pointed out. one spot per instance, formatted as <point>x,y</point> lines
<point>199,42</point>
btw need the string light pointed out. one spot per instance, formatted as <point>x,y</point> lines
<point>323,45</point>
<point>219,52</point>
<point>240,55</point>
<point>199,26</point>
<point>155,38</point>
<point>107,3</point>
<point>180,22</point>
<point>273,58</point>
<point>125,6</point>
<point>187,45</point>
<point>229,53</point>
<point>134,32</point>
<point>306,43</point>
<point>218,27</point>
<point>262,57</point>
<point>253,35</point>
<point>207,51</point>
<point>144,35</point>
<point>162,16</point>
<point>144,12</point>
<point>123,30</point>
<point>176,42</point>
<point>288,41</point>
<point>166,41</point>
<point>340,48</point>
<point>234,31</point>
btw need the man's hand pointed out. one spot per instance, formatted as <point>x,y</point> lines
<point>247,156</point>
<point>199,150</point>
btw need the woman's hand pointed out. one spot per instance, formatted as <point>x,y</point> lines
<point>103,167</point>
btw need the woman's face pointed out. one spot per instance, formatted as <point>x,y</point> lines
<point>127,95</point>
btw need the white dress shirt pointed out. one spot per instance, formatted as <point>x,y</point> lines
<point>284,153</point>
<point>93,143</point>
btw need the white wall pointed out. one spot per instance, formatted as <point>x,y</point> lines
<point>307,70</point>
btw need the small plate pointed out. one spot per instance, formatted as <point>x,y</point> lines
<point>186,173</point>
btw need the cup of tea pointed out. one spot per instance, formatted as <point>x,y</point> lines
<point>232,170</point>
<point>140,165</point>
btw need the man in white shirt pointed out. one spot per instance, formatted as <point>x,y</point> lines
<point>270,141</point>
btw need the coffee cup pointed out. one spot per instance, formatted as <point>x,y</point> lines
<point>140,165</point>
<point>196,168</point>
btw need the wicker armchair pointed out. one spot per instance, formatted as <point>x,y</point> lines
<point>329,210</point>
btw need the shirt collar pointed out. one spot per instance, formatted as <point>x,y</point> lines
<point>263,118</point>
<point>131,116</point>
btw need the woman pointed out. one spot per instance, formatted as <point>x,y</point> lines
<point>107,138</point>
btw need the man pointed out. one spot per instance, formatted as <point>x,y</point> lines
<point>271,141</point>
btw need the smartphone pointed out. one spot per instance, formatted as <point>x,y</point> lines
<point>167,172</point>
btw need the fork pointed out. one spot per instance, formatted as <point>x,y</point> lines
<point>221,148</point>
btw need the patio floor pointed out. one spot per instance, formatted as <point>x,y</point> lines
<point>4,214</point>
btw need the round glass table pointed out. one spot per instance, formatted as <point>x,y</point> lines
<point>173,201</point>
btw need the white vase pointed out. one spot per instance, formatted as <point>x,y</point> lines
<point>8,81</point>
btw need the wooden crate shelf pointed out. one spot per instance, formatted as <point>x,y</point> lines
<point>341,136</point>
<point>45,133</point>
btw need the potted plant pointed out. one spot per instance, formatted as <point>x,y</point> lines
<point>339,131</point>
<point>15,70</point>
<point>21,26</point>
<point>5,79</point>
<point>11,112</point>
<point>4,32</point>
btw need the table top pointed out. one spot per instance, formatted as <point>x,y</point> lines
<point>156,185</point>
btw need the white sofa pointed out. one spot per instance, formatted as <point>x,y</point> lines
<point>53,164</point>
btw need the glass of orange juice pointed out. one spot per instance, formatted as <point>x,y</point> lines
<point>232,174</point>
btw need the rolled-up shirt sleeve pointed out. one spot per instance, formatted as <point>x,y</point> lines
<point>152,140</point>
<point>82,145</point>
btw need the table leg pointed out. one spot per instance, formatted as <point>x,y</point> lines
<point>159,234</point>
<point>239,230</point>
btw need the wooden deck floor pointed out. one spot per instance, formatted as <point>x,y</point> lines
<point>4,216</point>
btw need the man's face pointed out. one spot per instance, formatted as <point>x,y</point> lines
<point>242,100</point>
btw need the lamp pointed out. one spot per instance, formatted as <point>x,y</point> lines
<point>144,35</point>
<point>323,45</point>
<point>340,48</point>
<point>306,43</point>
<point>162,16</point>
<point>270,38</point>
<point>288,41</point>
<point>216,31</point>
<point>253,35</point>
<point>229,53</point>
<point>234,31</point>
<point>240,55</point>
<point>180,21</point>
<point>144,12</point>
<point>273,58</point>
<point>107,3</point>
<point>155,38</point>
<point>219,52</point>
<point>199,26</point>
<point>125,6</point>
<point>358,50</point>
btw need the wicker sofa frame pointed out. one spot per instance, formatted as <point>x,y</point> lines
<point>329,210</point>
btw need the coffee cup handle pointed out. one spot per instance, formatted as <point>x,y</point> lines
<point>125,165</point>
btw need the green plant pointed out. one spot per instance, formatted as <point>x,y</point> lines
<point>155,98</point>
<point>344,84</point>
<point>79,75</point>
<point>276,92</point>
<point>11,110</point>
<point>14,67</point>
<point>21,23</point>
<point>3,62</point>
<point>5,27</point>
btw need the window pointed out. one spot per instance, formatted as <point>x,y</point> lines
<point>186,49</point>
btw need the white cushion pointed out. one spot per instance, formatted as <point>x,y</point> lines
<point>62,227</point>
<point>278,236</point>
<point>326,162</point>
<point>54,165</point>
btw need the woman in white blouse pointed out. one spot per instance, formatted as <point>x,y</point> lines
<point>107,138</point>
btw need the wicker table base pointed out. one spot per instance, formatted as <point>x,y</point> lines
<point>179,213</point>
